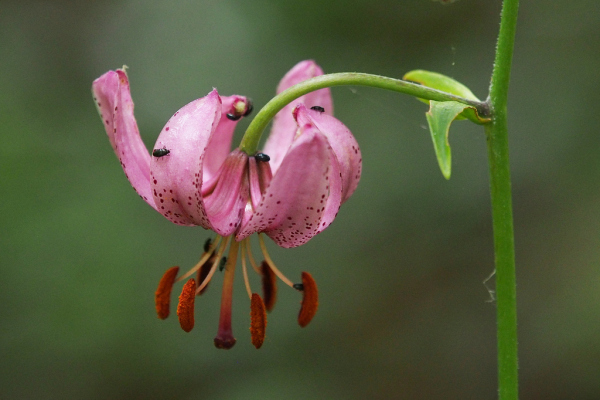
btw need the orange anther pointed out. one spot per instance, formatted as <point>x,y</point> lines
<point>185,308</point>
<point>310,300</point>
<point>162,296</point>
<point>258,320</point>
<point>269,284</point>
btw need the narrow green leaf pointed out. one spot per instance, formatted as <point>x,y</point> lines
<point>448,85</point>
<point>439,118</point>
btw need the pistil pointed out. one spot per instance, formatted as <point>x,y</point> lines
<point>224,338</point>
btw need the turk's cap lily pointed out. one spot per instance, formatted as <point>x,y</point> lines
<point>310,165</point>
<point>192,178</point>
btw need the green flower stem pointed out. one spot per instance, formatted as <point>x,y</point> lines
<point>500,188</point>
<point>252,136</point>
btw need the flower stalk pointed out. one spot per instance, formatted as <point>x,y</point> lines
<point>252,136</point>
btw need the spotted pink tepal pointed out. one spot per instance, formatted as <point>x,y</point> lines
<point>314,166</point>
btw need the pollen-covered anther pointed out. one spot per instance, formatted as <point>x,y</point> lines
<point>258,320</point>
<point>310,300</point>
<point>185,308</point>
<point>162,296</point>
<point>269,285</point>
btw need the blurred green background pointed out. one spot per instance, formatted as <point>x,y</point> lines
<point>404,312</point>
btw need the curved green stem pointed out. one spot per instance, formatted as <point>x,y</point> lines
<point>500,188</point>
<point>252,136</point>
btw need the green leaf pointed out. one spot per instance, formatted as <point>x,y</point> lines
<point>440,82</point>
<point>439,118</point>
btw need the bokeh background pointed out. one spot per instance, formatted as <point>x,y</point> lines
<point>404,312</point>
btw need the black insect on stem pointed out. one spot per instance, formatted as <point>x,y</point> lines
<point>160,152</point>
<point>262,157</point>
<point>298,286</point>
<point>318,108</point>
<point>207,245</point>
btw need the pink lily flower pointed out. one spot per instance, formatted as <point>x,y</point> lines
<point>311,164</point>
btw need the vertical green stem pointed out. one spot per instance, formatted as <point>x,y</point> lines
<point>505,261</point>
<point>500,188</point>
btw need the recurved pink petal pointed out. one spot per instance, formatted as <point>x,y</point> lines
<point>220,143</point>
<point>177,176</point>
<point>292,207</point>
<point>342,142</point>
<point>284,126</point>
<point>113,100</point>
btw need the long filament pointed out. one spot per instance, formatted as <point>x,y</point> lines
<point>215,264</point>
<point>203,259</point>
<point>251,258</point>
<point>245,270</point>
<point>271,264</point>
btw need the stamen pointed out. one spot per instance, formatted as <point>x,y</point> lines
<point>269,284</point>
<point>203,273</point>
<point>162,296</point>
<point>245,270</point>
<point>214,265</point>
<point>310,300</point>
<point>224,338</point>
<point>250,257</point>
<point>185,309</point>
<point>271,264</point>
<point>203,259</point>
<point>258,320</point>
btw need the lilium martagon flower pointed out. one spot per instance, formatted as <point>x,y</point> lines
<point>291,191</point>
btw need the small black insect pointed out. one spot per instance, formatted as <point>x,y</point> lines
<point>318,108</point>
<point>298,286</point>
<point>207,244</point>
<point>233,117</point>
<point>160,152</point>
<point>249,107</point>
<point>222,264</point>
<point>262,157</point>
